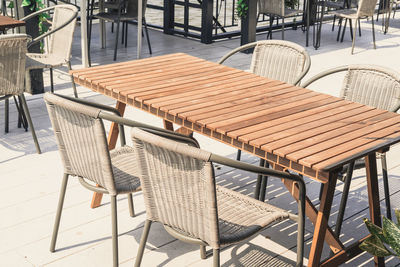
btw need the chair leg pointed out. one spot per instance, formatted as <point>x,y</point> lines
<point>51,80</point>
<point>72,80</point>
<point>6,114</point>
<point>147,35</point>
<point>239,154</point>
<point>58,214</point>
<point>116,40</point>
<point>143,241</point>
<point>30,124</point>
<point>114,225</point>
<point>271,21</point>
<point>21,114</point>
<point>340,28</point>
<point>344,30</point>
<point>345,196</point>
<point>354,37</point>
<point>216,258</point>
<point>373,32</point>
<point>203,254</point>
<point>258,183</point>
<point>126,34</point>
<point>264,184</point>
<point>283,28</point>
<point>131,207</point>
<point>386,186</point>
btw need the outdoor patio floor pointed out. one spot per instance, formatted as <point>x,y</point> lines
<point>30,183</point>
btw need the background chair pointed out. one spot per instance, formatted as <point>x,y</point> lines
<point>121,11</point>
<point>58,44</point>
<point>179,191</point>
<point>373,86</point>
<point>275,8</point>
<point>83,146</point>
<point>279,60</point>
<point>366,9</point>
<point>12,72</point>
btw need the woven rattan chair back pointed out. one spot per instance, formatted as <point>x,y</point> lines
<point>275,7</point>
<point>366,8</point>
<point>279,60</point>
<point>178,186</point>
<point>373,86</point>
<point>60,42</point>
<point>81,140</point>
<point>132,8</point>
<point>12,63</point>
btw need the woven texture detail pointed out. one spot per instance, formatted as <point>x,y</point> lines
<point>283,61</point>
<point>179,190</point>
<point>82,141</point>
<point>125,170</point>
<point>130,14</point>
<point>275,7</point>
<point>12,63</point>
<point>58,46</point>
<point>372,86</point>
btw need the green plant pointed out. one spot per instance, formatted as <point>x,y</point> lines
<point>43,17</point>
<point>241,9</point>
<point>389,234</point>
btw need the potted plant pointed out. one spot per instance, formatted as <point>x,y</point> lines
<point>383,241</point>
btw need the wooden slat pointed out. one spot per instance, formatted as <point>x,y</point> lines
<point>295,127</point>
<point>312,133</point>
<point>293,117</point>
<point>343,143</point>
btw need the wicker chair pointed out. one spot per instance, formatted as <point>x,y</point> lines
<point>126,10</point>
<point>58,48</point>
<point>12,71</point>
<point>275,8</point>
<point>279,60</point>
<point>179,191</point>
<point>373,86</point>
<point>79,130</point>
<point>366,9</point>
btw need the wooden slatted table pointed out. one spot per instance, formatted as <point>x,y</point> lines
<point>292,128</point>
<point>7,23</point>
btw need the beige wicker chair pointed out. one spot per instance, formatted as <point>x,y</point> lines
<point>58,47</point>
<point>83,146</point>
<point>279,60</point>
<point>366,9</point>
<point>179,191</point>
<point>276,8</point>
<point>373,86</point>
<point>12,71</point>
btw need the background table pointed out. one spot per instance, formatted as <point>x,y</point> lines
<point>292,128</point>
<point>7,23</point>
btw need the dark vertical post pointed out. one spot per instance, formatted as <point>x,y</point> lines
<point>206,21</point>
<point>249,24</point>
<point>169,16</point>
<point>32,29</point>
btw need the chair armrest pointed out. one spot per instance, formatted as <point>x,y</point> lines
<point>324,74</point>
<point>236,50</point>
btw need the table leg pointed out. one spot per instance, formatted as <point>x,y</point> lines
<point>331,239</point>
<point>321,224</point>
<point>373,197</point>
<point>112,141</point>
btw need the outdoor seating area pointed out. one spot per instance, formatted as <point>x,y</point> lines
<point>189,153</point>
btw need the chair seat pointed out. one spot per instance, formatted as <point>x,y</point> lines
<point>41,61</point>
<point>288,13</point>
<point>113,16</point>
<point>241,216</point>
<point>346,13</point>
<point>125,170</point>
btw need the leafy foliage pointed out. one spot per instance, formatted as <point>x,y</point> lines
<point>43,17</point>
<point>241,8</point>
<point>389,234</point>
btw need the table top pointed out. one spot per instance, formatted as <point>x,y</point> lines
<point>309,132</point>
<point>7,22</point>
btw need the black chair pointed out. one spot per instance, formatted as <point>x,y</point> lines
<point>120,11</point>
